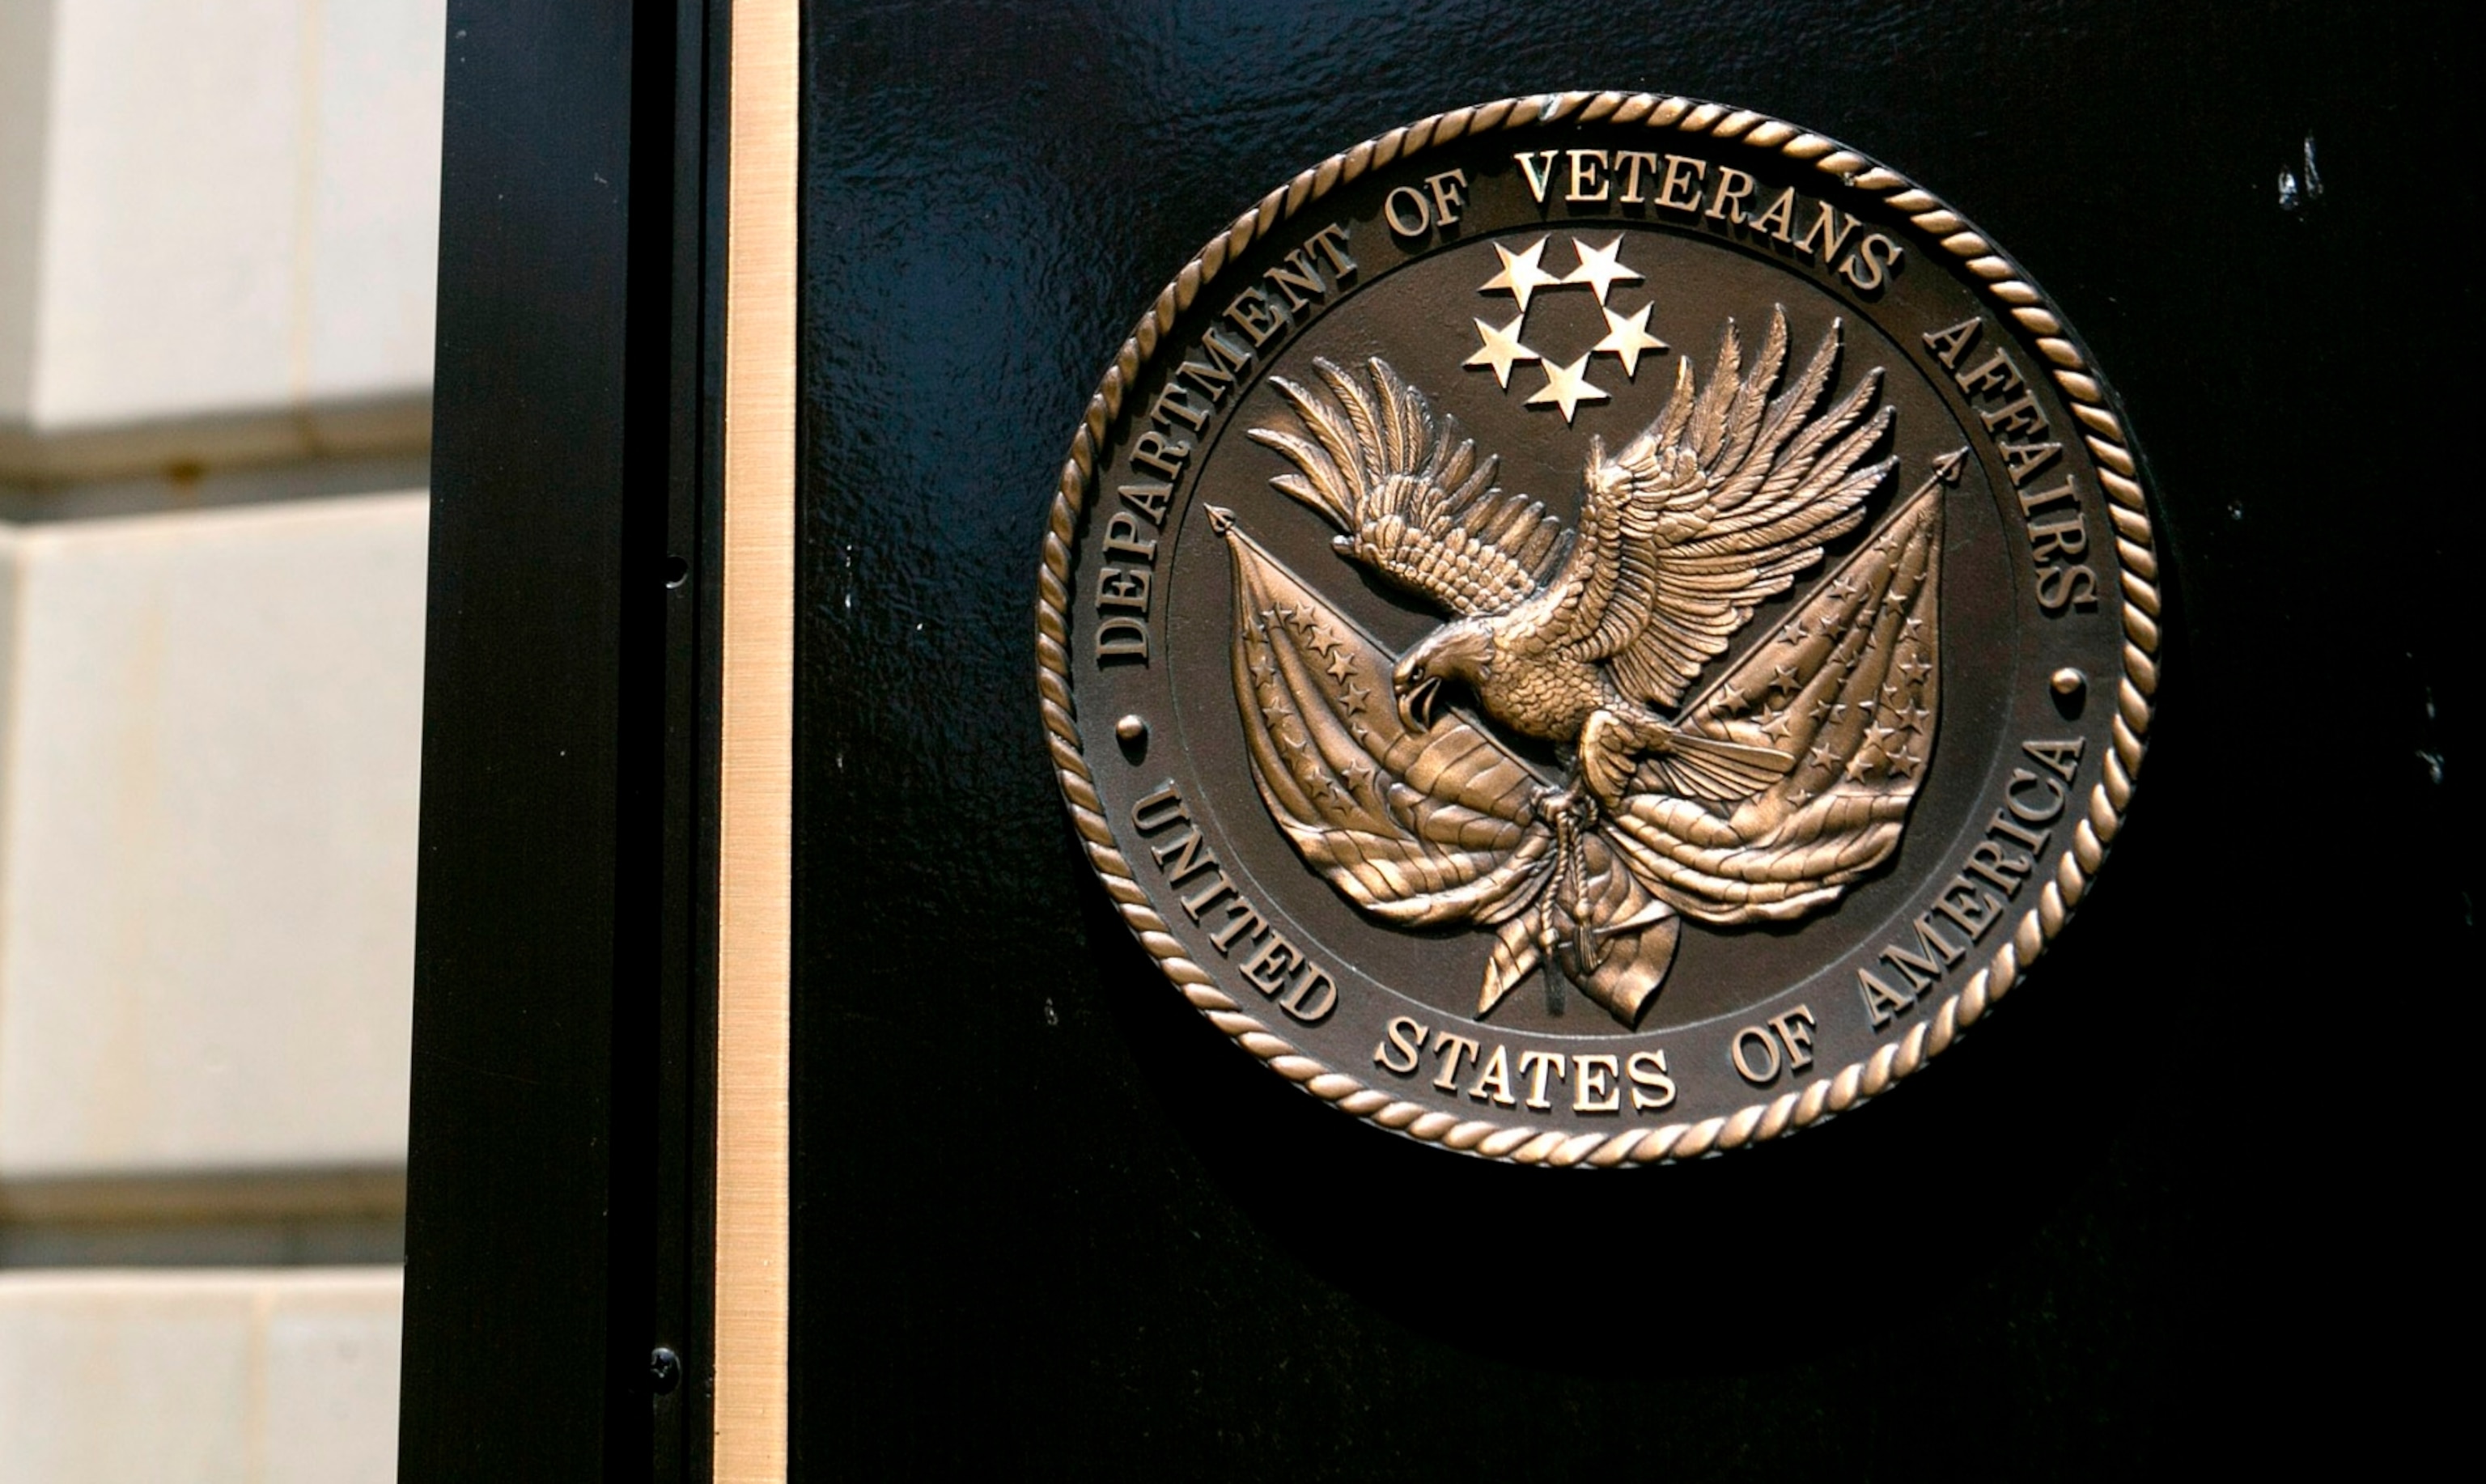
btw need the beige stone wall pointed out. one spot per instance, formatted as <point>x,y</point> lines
<point>272,1377</point>
<point>234,213</point>
<point>206,822</point>
<point>217,228</point>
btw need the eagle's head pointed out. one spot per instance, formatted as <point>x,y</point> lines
<point>1456,651</point>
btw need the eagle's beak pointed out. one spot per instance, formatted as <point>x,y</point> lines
<point>1415,705</point>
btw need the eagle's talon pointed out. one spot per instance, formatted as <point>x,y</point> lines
<point>1573,807</point>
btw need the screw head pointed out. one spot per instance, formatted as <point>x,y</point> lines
<point>664,1370</point>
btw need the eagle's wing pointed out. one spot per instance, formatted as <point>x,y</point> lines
<point>1714,509</point>
<point>1414,501</point>
<point>1419,828</point>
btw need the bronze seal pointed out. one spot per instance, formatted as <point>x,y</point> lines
<point>1598,629</point>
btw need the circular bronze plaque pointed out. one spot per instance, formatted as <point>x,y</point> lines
<point>1598,629</point>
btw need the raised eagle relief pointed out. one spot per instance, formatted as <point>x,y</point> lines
<point>1783,780</point>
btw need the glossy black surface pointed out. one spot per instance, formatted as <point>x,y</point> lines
<point>2169,1208</point>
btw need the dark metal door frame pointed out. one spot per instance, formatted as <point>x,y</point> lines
<point>558,1304</point>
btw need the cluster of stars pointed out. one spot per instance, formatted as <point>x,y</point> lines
<point>1567,384</point>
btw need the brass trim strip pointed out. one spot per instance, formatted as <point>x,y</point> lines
<point>755,862</point>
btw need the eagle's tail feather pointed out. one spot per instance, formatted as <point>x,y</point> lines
<point>1623,749</point>
<point>1698,768</point>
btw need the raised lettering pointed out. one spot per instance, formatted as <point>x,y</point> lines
<point>1150,500</point>
<point>1332,241</point>
<point>1760,1067</point>
<point>2024,459</point>
<point>1733,186</point>
<point>1407,211</point>
<point>2018,417</point>
<point>1184,859</point>
<point>2064,536</point>
<point>1155,451</point>
<point>1994,376</point>
<point>1651,1087</point>
<point>1158,810</point>
<point>2032,501</point>
<point>1588,175</point>
<point>1631,162</point>
<point>1926,962</point>
<point>1968,905</point>
<point>1174,403</point>
<point>1534,1065</point>
<point>1254,316</point>
<point>1493,1084</point>
<point>1681,187</point>
<point>1991,863</point>
<point>1198,902</point>
<point>2053,793</point>
<point>1882,1001</point>
<point>1538,167</point>
<point>1122,587</point>
<point>1272,962</point>
<point>1777,217</point>
<point>2001,824</point>
<point>2065,758</point>
<point>1949,345</point>
<point>1312,997</point>
<point>1871,265</point>
<point>1795,1033</point>
<point>1216,374</point>
<point>1297,276</point>
<point>1406,1039</point>
<point>1593,1085</point>
<point>2062,587</point>
<point>1818,238</point>
<point>1122,537</point>
<point>1121,638</point>
<point>1240,921</point>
